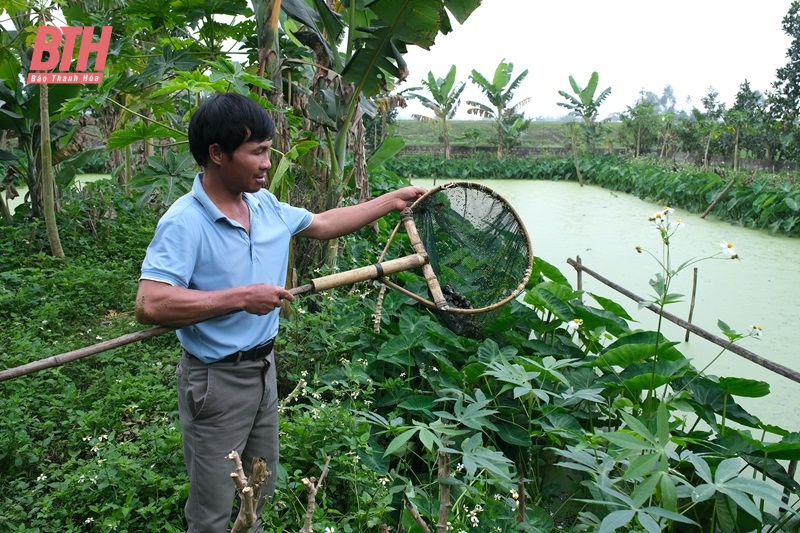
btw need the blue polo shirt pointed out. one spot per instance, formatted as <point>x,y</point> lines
<point>197,247</point>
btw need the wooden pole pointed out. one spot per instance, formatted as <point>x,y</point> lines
<point>700,332</point>
<point>375,271</point>
<point>718,198</point>
<point>691,303</point>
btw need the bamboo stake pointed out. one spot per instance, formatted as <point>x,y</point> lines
<point>444,493</point>
<point>691,303</point>
<point>700,332</point>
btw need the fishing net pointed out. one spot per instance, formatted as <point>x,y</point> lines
<point>478,249</point>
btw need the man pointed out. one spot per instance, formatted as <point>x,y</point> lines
<point>215,269</point>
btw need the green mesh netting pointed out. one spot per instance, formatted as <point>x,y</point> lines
<point>478,248</point>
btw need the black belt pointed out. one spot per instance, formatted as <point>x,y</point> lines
<point>253,354</point>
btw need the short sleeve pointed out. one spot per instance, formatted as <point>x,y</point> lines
<point>172,254</point>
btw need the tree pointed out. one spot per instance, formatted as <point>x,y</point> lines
<point>26,109</point>
<point>784,99</point>
<point>444,101</point>
<point>583,104</point>
<point>342,86</point>
<point>640,125</point>
<point>710,121</point>
<point>746,122</point>
<point>500,92</point>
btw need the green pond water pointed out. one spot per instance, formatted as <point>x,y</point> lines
<point>604,227</point>
<point>80,181</point>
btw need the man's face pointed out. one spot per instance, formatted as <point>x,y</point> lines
<point>246,169</point>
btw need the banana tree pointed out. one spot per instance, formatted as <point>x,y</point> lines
<point>333,64</point>
<point>583,104</point>
<point>378,34</point>
<point>22,107</point>
<point>444,101</point>
<point>500,92</point>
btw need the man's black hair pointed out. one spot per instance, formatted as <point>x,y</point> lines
<point>229,120</point>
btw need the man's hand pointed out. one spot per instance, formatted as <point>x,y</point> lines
<point>407,194</point>
<point>263,298</point>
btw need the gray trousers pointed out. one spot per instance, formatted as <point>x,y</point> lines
<point>225,407</point>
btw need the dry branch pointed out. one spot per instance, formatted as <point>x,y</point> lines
<point>313,485</point>
<point>415,515</point>
<point>249,490</point>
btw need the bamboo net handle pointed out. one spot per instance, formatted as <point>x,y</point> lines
<point>375,271</point>
<point>427,269</point>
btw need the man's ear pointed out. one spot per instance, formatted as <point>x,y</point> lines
<point>215,154</point>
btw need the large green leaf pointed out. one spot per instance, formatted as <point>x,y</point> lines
<point>514,435</point>
<point>748,388</point>
<point>138,131</point>
<point>418,402</point>
<point>549,271</point>
<point>625,355</point>
<point>666,349</point>
<point>397,24</point>
<point>387,149</point>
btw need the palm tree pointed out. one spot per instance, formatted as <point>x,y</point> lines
<point>500,92</point>
<point>444,101</point>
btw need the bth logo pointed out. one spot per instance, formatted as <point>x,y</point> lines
<point>49,40</point>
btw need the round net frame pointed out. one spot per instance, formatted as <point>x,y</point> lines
<point>478,249</point>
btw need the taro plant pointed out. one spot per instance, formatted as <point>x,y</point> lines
<point>592,425</point>
<point>653,467</point>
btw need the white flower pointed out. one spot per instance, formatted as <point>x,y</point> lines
<point>675,226</point>
<point>727,249</point>
<point>383,481</point>
<point>41,477</point>
<point>756,331</point>
<point>329,529</point>
<point>573,325</point>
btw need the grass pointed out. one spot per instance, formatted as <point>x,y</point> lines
<point>551,135</point>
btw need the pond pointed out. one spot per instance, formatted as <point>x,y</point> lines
<point>79,182</point>
<point>604,228</point>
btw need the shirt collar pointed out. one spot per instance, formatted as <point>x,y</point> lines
<point>199,193</point>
